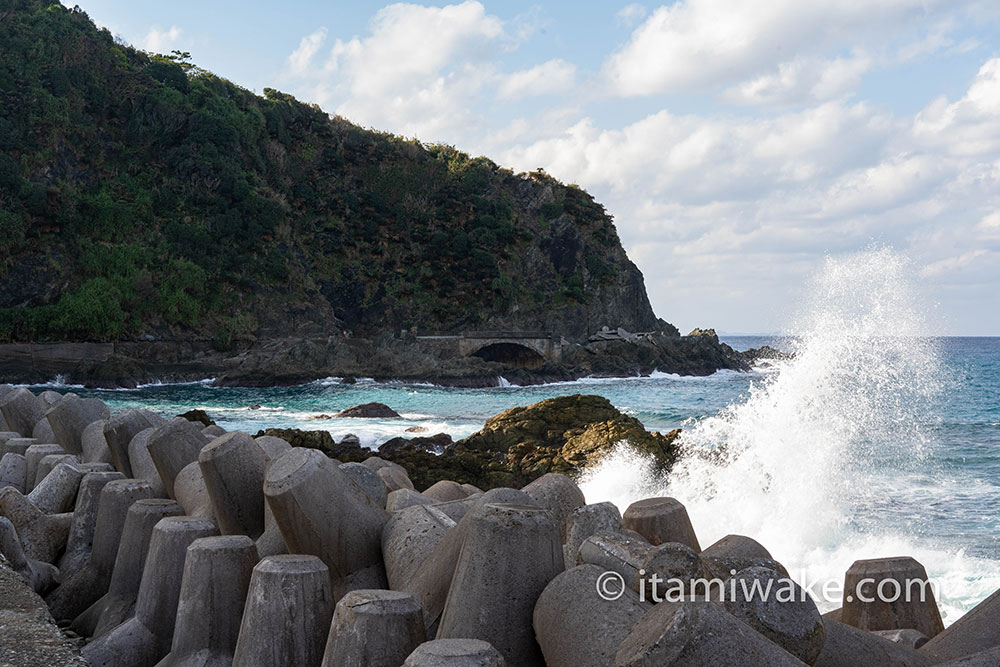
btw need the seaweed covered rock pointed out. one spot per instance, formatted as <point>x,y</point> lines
<point>565,434</point>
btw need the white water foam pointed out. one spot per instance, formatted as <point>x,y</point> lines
<point>807,460</point>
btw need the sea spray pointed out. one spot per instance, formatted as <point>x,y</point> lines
<point>811,461</point>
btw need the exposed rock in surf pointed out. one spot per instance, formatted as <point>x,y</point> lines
<point>435,443</point>
<point>764,353</point>
<point>369,411</point>
<point>197,416</point>
<point>566,434</point>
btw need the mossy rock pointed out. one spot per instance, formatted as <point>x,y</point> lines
<point>564,434</point>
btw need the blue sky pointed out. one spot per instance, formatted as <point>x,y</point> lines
<point>737,144</point>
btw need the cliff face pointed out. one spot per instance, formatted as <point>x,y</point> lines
<point>145,199</point>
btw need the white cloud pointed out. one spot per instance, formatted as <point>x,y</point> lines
<point>802,79</point>
<point>161,41</point>
<point>417,72</point>
<point>952,264</point>
<point>694,45</point>
<point>970,126</point>
<point>409,43</point>
<point>554,76</point>
<point>631,14</point>
<point>302,58</point>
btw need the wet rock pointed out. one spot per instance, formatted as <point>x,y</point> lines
<point>369,411</point>
<point>434,443</point>
<point>199,416</point>
<point>566,434</point>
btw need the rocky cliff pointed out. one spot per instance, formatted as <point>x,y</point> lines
<point>200,229</point>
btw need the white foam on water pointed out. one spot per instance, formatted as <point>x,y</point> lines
<point>834,430</point>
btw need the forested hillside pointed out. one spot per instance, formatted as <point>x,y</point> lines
<point>141,196</point>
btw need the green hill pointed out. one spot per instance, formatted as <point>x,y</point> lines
<point>141,196</point>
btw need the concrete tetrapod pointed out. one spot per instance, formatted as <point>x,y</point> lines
<point>118,604</point>
<point>119,431</point>
<point>43,431</point>
<point>18,444</point>
<point>94,445</point>
<point>408,538</point>
<point>13,470</point>
<point>395,478</point>
<point>510,554</point>
<point>445,490</point>
<point>213,593</point>
<point>50,461</point>
<point>287,614</point>
<point>42,535</point>
<point>142,463</point>
<point>585,521</point>
<point>403,498</point>
<point>369,482</point>
<point>846,646</point>
<point>432,579</point>
<point>81,531</point>
<point>578,627</point>
<point>55,493</point>
<point>174,445</point>
<point>191,492</point>
<point>321,511</point>
<point>661,520</point>
<point>455,653</point>
<point>697,634</point>
<point>33,456</point>
<point>233,467</point>
<point>21,410</point>
<point>90,583</point>
<point>145,638</point>
<point>976,631</point>
<point>70,415</point>
<point>779,609</point>
<point>373,628</point>
<point>40,576</point>
<point>735,553</point>
<point>557,493</point>
<point>625,552</point>
<point>869,585</point>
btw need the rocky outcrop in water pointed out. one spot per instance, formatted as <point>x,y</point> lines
<point>369,411</point>
<point>566,434</point>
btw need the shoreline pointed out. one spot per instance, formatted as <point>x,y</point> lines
<point>300,361</point>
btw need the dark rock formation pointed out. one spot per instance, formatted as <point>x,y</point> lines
<point>567,433</point>
<point>197,415</point>
<point>564,434</point>
<point>369,411</point>
<point>434,443</point>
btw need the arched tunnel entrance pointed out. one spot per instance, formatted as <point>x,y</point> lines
<point>511,354</point>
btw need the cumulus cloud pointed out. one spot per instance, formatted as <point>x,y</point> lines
<point>755,201</point>
<point>417,72</point>
<point>161,41</point>
<point>766,48</point>
<point>631,14</point>
<point>802,79</point>
<point>554,76</point>
<point>302,58</point>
